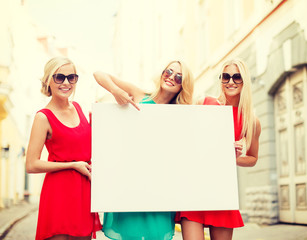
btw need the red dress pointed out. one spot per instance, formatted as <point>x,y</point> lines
<point>65,197</point>
<point>224,218</point>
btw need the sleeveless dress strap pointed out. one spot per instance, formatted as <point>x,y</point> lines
<point>80,112</point>
<point>50,116</point>
<point>53,119</point>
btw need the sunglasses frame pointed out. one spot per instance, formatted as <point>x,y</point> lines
<point>73,80</point>
<point>235,79</point>
<point>177,77</point>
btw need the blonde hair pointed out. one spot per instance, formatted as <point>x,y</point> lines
<point>50,68</point>
<point>245,108</point>
<point>185,95</point>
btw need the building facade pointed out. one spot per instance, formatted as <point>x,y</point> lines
<point>25,48</point>
<point>271,37</point>
<point>22,52</point>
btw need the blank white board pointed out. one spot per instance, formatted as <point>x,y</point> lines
<point>163,158</point>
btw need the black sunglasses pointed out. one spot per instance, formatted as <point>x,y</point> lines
<point>60,78</point>
<point>169,72</point>
<point>236,78</point>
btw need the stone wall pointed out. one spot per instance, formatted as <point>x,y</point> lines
<point>262,205</point>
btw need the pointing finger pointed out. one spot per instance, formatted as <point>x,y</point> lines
<point>134,104</point>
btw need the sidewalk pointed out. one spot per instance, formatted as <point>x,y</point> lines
<point>10,216</point>
<point>251,231</point>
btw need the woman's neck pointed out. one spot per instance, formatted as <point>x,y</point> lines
<point>233,101</point>
<point>164,98</point>
<point>60,104</point>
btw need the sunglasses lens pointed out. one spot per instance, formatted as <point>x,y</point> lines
<point>72,78</point>
<point>225,77</point>
<point>59,78</point>
<point>237,78</point>
<point>168,72</point>
<point>178,79</point>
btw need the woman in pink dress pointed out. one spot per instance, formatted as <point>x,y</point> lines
<point>236,92</point>
<point>64,210</point>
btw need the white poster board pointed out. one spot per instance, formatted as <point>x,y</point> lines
<point>163,158</point>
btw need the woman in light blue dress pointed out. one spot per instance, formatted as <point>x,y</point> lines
<point>175,86</point>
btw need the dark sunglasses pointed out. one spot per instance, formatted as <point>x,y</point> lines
<point>60,78</point>
<point>169,72</point>
<point>236,78</point>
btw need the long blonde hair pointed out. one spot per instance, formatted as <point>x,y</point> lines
<point>185,96</point>
<point>245,108</point>
<point>50,68</point>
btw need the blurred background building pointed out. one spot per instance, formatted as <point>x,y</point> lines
<point>269,35</point>
<point>22,52</point>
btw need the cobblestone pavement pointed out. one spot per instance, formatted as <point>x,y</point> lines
<point>273,232</point>
<point>23,229</point>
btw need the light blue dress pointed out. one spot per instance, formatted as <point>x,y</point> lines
<point>139,225</point>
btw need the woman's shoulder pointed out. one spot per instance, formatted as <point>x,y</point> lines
<point>74,103</point>
<point>41,115</point>
<point>41,119</point>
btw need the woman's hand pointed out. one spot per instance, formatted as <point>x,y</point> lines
<point>239,147</point>
<point>83,168</point>
<point>123,98</point>
<point>122,91</point>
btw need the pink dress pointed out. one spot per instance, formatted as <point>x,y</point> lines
<point>225,218</point>
<point>65,197</point>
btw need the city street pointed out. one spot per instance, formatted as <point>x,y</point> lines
<point>24,229</point>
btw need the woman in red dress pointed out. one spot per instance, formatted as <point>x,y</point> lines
<point>235,91</point>
<point>64,210</point>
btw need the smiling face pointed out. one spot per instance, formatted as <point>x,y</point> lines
<point>231,89</point>
<point>168,82</point>
<point>65,89</point>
